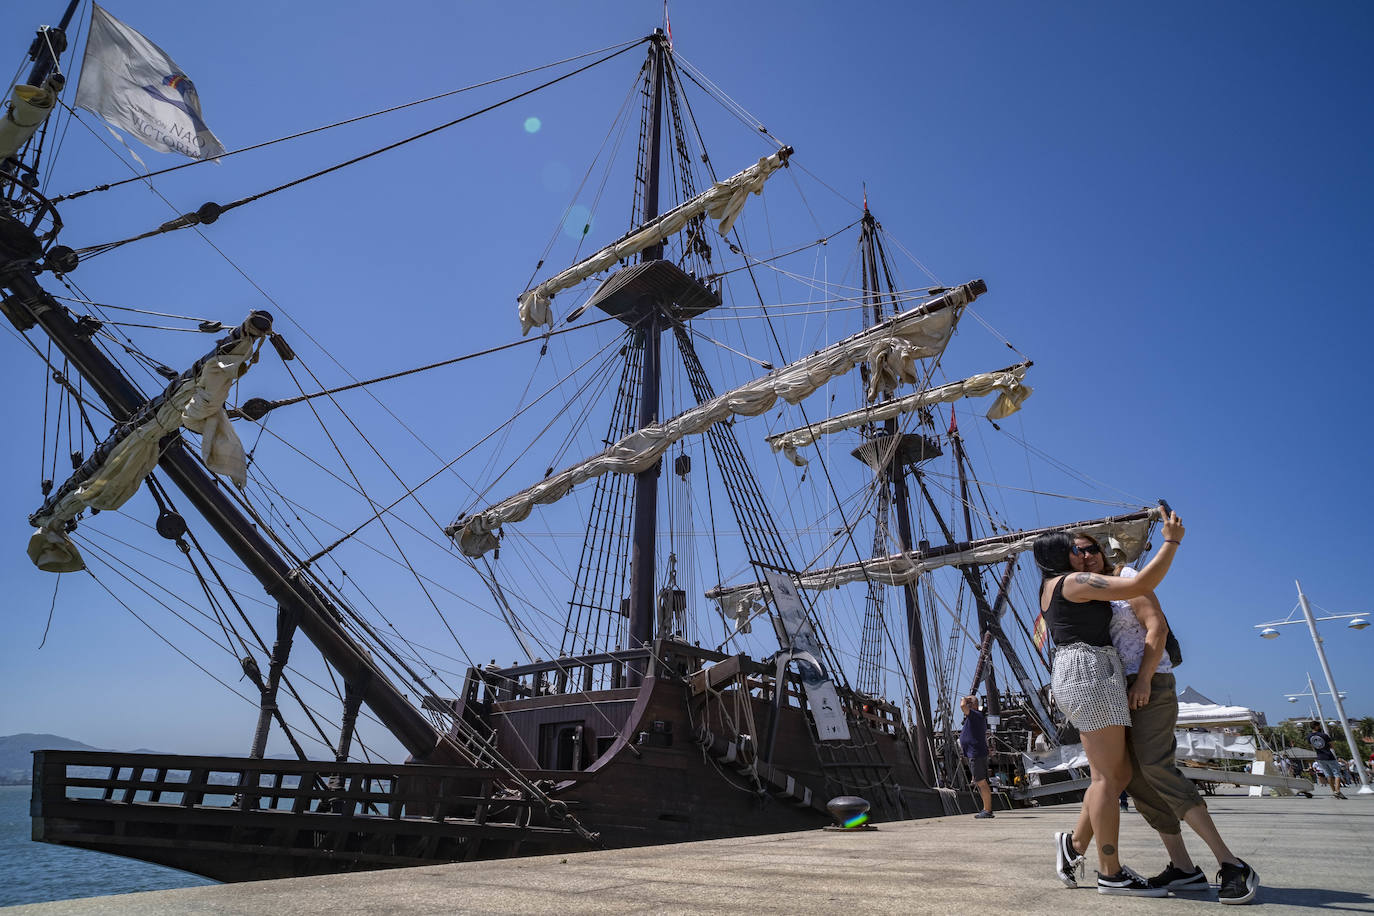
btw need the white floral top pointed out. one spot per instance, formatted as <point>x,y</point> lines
<point>1128,635</point>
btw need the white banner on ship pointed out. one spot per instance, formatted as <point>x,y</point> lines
<point>801,647</point>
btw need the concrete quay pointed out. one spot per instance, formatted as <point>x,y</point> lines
<point>1311,854</point>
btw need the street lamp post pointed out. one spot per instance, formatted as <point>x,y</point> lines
<point>1358,622</point>
<point>1311,693</point>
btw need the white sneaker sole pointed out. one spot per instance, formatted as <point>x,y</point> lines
<point>1134,892</point>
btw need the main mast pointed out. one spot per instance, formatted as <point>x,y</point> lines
<point>894,477</point>
<point>642,551</point>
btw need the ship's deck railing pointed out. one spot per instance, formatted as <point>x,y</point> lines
<point>607,670</point>
<point>392,791</point>
<point>580,673</point>
<point>239,819</point>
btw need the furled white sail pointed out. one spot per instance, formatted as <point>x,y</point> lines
<point>722,201</point>
<point>898,569</point>
<point>28,108</point>
<point>196,403</point>
<point>915,334</point>
<point>1007,381</point>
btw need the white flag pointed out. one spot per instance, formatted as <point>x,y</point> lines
<point>134,85</point>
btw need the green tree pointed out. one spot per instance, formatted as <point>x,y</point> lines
<point>1364,728</point>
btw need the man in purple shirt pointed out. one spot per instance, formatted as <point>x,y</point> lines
<point>973,744</point>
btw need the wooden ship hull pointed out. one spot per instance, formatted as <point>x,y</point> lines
<point>636,766</point>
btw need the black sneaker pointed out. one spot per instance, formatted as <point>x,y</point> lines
<point>1238,883</point>
<point>1176,879</point>
<point>983,814</point>
<point>1066,858</point>
<point>1127,883</point>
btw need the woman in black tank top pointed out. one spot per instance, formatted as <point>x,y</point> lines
<point>1087,673</point>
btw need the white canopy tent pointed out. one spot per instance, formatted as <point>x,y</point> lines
<point>1214,715</point>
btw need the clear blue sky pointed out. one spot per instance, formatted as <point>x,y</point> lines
<point>1170,203</point>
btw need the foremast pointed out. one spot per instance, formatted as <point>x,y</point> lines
<point>28,249</point>
<point>316,615</point>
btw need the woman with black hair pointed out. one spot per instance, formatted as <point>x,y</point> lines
<point>1163,795</point>
<point>1090,685</point>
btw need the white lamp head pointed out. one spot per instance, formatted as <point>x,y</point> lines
<point>1269,633</point>
<point>1359,623</point>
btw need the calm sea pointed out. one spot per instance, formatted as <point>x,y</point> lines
<point>38,872</point>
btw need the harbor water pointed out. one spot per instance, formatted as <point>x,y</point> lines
<point>38,872</point>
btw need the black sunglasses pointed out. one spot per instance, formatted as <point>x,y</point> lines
<point>1087,549</point>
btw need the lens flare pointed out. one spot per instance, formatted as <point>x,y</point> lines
<point>578,223</point>
<point>857,820</point>
<point>532,125</point>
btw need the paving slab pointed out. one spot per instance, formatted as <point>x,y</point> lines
<point>1311,854</point>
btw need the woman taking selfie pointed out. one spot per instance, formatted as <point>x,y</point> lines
<point>1163,795</point>
<point>1090,686</point>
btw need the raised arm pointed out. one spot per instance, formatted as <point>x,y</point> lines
<point>1085,586</point>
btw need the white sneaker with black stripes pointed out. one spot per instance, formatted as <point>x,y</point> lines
<point>1066,858</point>
<point>1126,883</point>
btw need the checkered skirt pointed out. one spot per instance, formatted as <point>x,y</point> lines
<point>1089,686</point>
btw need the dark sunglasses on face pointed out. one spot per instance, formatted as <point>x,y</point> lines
<point>1085,550</point>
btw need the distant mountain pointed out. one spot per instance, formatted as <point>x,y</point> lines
<point>16,754</point>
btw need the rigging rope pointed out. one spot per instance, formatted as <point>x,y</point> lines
<point>52,609</point>
<point>96,555</point>
<point>314,130</point>
<point>106,557</point>
<point>261,408</point>
<point>210,212</point>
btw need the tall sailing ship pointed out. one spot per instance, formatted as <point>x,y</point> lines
<point>705,649</point>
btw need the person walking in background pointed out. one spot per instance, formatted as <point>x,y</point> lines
<point>973,744</point>
<point>1163,795</point>
<point>1090,687</point>
<point>1325,766</point>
